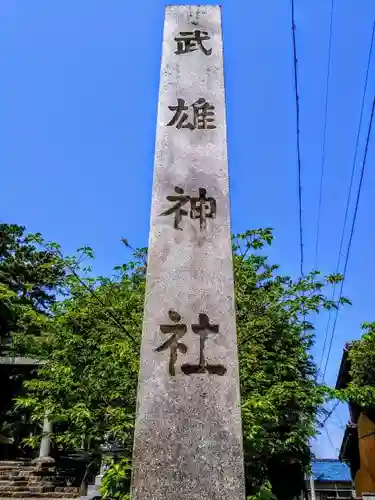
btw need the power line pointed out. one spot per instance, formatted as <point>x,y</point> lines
<point>351,233</point>
<point>357,142</point>
<point>324,136</point>
<point>323,426</point>
<point>329,414</point>
<point>338,425</point>
<point>341,424</point>
<point>336,450</point>
<point>107,311</point>
<point>350,187</point>
<point>298,139</point>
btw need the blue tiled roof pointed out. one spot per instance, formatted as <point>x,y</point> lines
<point>330,470</point>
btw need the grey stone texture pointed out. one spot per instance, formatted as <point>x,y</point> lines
<point>7,360</point>
<point>45,444</point>
<point>188,435</point>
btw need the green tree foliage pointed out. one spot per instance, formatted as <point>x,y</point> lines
<point>90,348</point>
<point>361,387</point>
<point>30,279</point>
<point>280,396</point>
<point>116,481</point>
<point>90,353</point>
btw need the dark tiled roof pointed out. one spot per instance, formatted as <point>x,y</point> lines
<point>330,470</point>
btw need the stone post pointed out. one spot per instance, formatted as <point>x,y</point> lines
<point>188,434</point>
<point>45,445</point>
<point>45,464</point>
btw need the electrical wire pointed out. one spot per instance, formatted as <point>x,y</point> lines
<point>341,424</point>
<point>351,234</point>
<point>106,311</point>
<point>329,414</point>
<point>298,139</point>
<point>324,136</point>
<point>335,449</point>
<point>350,189</point>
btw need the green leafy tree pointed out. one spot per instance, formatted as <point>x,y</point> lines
<point>30,280</point>
<point>280,396</point>
<point>116,481</point>
<point>90,349</point>
<point>361,387</point>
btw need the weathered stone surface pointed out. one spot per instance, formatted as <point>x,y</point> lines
<point>12,483</point>
<point>44,461</point>
<point>14,463</point>
<point>188,436</point>
<point>24,479</point>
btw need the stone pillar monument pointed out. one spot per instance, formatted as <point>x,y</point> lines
<point>45,444</point>
<point>188,435</point>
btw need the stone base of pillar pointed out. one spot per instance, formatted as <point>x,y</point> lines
<point>43,473</point>
<point>43,461</point>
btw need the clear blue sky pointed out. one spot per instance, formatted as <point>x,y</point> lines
<point>78,100</point>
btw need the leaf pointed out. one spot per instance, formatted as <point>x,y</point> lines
<point>88,379</point>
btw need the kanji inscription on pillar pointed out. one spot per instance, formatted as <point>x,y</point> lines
<point>188,432</point>
<point>201,207</point>
<point>189,41</point>
<point>178,330</point>
<point>199,115</point>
